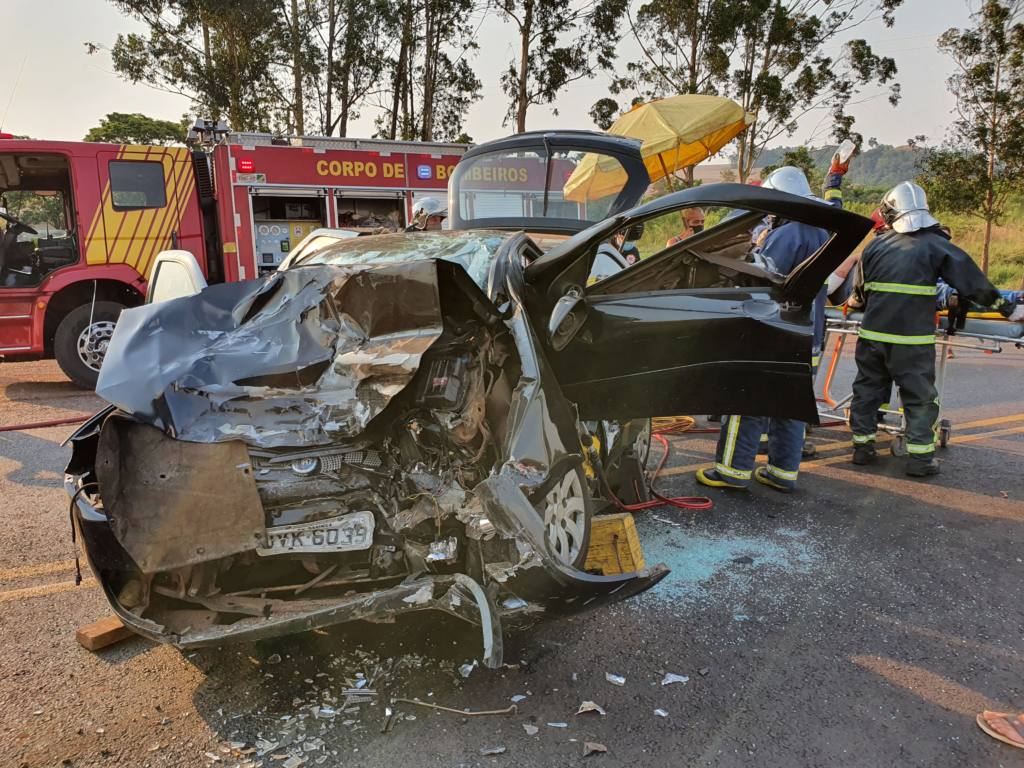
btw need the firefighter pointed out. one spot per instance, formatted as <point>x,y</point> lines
<point>784,247</point>
<point>897,288</point>
<point>428,213</point>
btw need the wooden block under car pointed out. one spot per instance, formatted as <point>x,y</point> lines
<point>614,545</point>
<point>102,633</point>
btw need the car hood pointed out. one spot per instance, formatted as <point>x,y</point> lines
<point>305,357</point>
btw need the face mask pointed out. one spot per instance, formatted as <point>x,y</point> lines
<point>697,228</point>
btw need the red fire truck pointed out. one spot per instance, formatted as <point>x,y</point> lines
<point>81,223</point>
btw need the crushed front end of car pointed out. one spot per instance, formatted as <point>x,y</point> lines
<point>330,444</point>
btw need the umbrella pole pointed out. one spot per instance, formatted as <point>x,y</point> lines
<point>668,178</point>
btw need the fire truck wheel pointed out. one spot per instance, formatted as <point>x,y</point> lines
<point>82,338</point>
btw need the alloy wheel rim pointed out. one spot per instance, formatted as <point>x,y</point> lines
<point>565,518</point>
<point>92,343</point>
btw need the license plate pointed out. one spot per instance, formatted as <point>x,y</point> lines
<point>338,534</point>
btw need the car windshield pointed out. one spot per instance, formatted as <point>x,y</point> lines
<point>473,251</point>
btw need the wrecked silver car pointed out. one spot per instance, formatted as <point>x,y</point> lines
<point>431,421</point>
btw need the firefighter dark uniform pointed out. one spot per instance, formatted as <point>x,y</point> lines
<point>785,247</point>
<point>897,286</point>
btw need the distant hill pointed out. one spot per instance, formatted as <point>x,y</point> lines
<point>881,166</point>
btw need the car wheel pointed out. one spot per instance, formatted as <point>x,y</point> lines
<point>81,340</point>
<point>567,510</point>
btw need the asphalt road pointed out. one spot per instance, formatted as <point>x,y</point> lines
<point>860,622</point>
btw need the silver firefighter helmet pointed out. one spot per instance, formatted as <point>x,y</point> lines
<point>789,179</point>
<point>426,209</point>
<point>905,208</point>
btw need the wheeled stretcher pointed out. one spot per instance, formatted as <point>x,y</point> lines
<point>981,334</point>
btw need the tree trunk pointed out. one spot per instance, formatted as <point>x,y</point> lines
<point>332,31</point>
<point>208,75</point>
<point>524,66</point>
<point>345,75</point>
<point>397,96</point>
<point>988,239</point>
<point>429,69</point>
<point>299,104</point>
<point>990,193</point>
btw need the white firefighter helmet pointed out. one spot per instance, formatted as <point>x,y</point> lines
<point>905,208</point>
<point>426,209</point>
<point>789,179</point>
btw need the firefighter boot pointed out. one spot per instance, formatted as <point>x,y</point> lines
<point>922,466</point>
<point>864,454</point>
<point>714,479</point>
<point>765,476</point>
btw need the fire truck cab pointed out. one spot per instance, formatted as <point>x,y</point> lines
<point>81,223</point>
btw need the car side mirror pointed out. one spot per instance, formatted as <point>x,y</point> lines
<point>566,319</point>
<point>175,274</point>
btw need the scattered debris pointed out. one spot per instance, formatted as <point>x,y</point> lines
<point>670,678</point>
<point>212,757</point>
<point>558,725</point>
<point>517,698</point>
<point>531,730</point>
<point>703,671</point>
<point>512,710</point>
<point>593,747</point>
<point>467,669</point>
<point>590,706</point>
<point>614,679</point>
<point>274,658</point>
<point>485,751</point>
<point>744,560</point>
<point>293,762</point>
<point>661,713</point>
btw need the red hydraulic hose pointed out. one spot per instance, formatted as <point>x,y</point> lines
<point>42,424</point>
<point>679,502</point>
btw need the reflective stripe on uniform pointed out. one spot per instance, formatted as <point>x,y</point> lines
<point>912,290</point>
<point>863,439</point>
<point>833,194</point>
<point>815,360</point>
<point>920,447</point>
<point>782,473</point>
<point>732,428</point>
<point>736,474</point>
<point>893,338</point>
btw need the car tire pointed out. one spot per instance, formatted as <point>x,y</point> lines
<point>567,511</point>
<point>79,347</point>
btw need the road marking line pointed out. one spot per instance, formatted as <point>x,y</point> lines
<point>954,440</point>
<point>991,422</point>
<point>926,685</point>
<point>42,569</point>
<point>952,498</point>
<point>44,590</point>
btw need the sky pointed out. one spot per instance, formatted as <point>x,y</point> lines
<point>50,88</point>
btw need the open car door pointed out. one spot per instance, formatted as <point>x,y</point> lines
<point>699,326</point>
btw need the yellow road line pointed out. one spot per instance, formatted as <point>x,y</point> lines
<point>955,440</point>
<point>44,590</point>
<point>951,498</point>
<point>990,422</point>
<point>42,569</point>
<point>929,686</point>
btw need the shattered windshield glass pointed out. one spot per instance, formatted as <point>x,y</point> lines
<point>473,251</point>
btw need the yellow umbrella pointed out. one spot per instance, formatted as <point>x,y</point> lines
<point>676,132</point>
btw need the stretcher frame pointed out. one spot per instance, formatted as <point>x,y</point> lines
<point>838,330</point>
